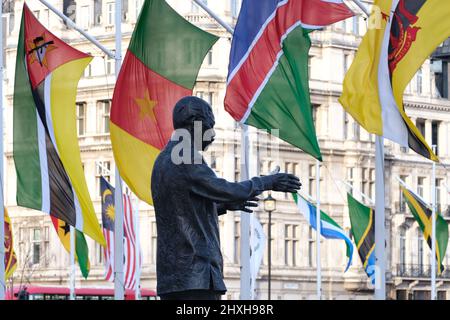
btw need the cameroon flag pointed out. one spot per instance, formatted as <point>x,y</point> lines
<point>10,255</point>
<point>50,176</point>
<point>363,231</point>
<point>160,67</point>
<point>62,228</point>
<point>423,216</point>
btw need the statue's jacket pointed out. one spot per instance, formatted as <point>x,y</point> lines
<point>186,197</point>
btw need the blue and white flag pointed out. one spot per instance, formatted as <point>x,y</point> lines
<point>328,227</point>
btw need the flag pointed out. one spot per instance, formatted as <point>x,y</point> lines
<point>423,215</point>
<point>389,56</point>
<point>363,231</point>
<point>269,56</point>
<point>257,246</point>
<point>62,229</point>
<point>10,255</point>
<point>160,67</point>
<point>108,217</point>
<point>328,227</point>
<point>50,175</point>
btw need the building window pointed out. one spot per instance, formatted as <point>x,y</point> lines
<point>402,202</point>
<point>237,169</point>
<point>266,232</point>
<point>350,180</point>
<point>419,80</point>
<point>154,242</point>
<point>110,13</point>
<point>235,7</point>
<point>356,25</point>
<point>237,242</point>
<point>290,244</point>
<point>420,185</point>
<point>372,183</point>
<point>312,180</point>
<point>88,71</point>
<point>438,195</point>
<point>36,246</point>
<point>104,107</point>
<point>346,125</point>
<point>81,118</point>
<point>346,62</point>
<point>402,247</point>
<point>419,250</point>
<point>356,131</point>
<point>103,169</point>
<point>99,252</point>
<point>109,65</point>
<point>420,124</point>
<point>435,135</point>
<point>85,17</point>
<point>36,14</point>
<point>311,249</point>
<point>209,58</point>
<point>207,96</point>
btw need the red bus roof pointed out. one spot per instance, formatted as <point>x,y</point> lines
<point>80,291</point>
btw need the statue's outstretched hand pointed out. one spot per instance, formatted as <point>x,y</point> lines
<point>284,182</point>
<point>242,206</point>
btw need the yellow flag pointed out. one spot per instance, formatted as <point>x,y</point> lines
<point>402,35</point>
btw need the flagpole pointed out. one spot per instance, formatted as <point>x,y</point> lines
<point>72,263</point>
<point>213,15</point>
<point>433,228</point>
<point>137,247</point>
<point>119,291</point>
<point>318,233</point>
<point>380,229</point>
<point>2,173</point>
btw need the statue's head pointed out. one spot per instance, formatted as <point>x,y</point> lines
<point>191,111</point>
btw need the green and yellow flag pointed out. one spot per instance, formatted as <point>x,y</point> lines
<point>62,228</point>
<point>423,216</point>
<point>401,36</point>
<point>50,176</point>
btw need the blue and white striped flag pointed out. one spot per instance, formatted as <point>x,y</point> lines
<point>328,227</point>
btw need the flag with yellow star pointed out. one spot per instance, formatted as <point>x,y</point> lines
<point>10,255</point>
<point>62,228</point>
<point>160,67</point>
<point>50,176</point>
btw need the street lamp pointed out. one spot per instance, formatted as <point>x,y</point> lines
<point>270,205</point>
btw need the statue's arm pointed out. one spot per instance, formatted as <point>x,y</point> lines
<point>203,182</point>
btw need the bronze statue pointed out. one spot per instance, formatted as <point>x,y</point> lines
<point>188,198</point>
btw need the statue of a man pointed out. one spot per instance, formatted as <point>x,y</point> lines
<point>188,198</point>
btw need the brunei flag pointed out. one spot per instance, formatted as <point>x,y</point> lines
<point>62,228</point>
<point>160,67</point>
<point>423,215</point>
<point>363,231</point>
<point>10,255</point>
<point>402,34</point>
<point>50,176</point>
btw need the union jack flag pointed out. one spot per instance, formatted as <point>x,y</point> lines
<point>131,262</point>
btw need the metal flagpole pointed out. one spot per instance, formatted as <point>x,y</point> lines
<point>138,247</point>
<point>380,229</point>
<point>215,16</point>
<point>433,228</point>
<point>318,233</point>
<point>2,173</point>
<point>118,222</point>
<point>72,263</point>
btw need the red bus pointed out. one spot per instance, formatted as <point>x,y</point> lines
<point>62,293</point>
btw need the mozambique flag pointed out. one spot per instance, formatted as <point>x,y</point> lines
<point>10,255</point>
<point>363,231</point>
<point>160,67</point>
<point>401,36</point>
<point>62,228</point>
<point>268,72</point>
<point>423,215</point>
<point>50,176</point>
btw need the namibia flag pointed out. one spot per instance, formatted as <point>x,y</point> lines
<point>50,177</point>
<point>160,68</point>
<point>423,215</point>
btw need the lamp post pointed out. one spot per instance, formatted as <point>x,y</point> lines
<point>270,205</point>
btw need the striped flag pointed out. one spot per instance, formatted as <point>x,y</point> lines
<point>389,56</point>
<point>269,56</point>
<point>422,213</point>
<point>328,227</point>
<point>363,231</point>
<point>160,67</point>
<point>50,176</point>
<point>131,262</point>
<point>10,254</point>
